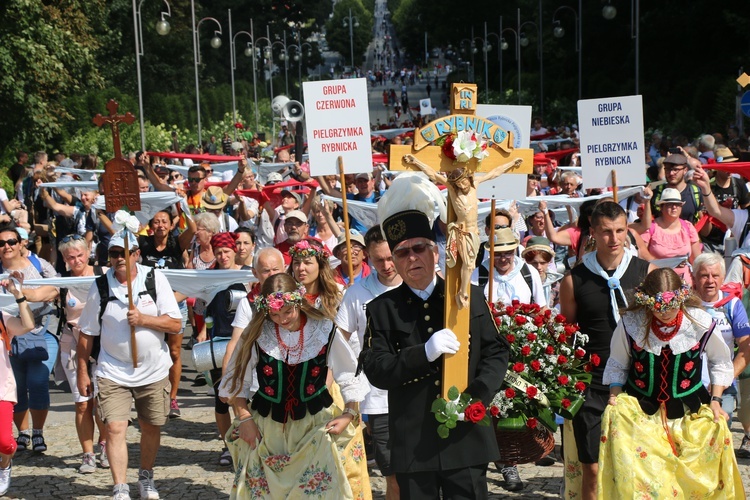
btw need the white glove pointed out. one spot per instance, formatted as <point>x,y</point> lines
<point>442,342</point>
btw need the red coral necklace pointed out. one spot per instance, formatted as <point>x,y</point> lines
<point>296,349</point>
<point>666,331</point>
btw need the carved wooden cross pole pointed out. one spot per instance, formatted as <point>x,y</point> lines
<point>501,152</point>
<point>120,184</point>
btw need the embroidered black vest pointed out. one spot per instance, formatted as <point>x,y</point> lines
<point>291,391</point>
<point>674,379</point>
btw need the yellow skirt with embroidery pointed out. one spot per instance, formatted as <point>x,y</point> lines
<point>636,459</point>
<point>295,460</point>
<point>355,461</point>
<point>573,476</point>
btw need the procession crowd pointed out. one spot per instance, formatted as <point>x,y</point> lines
<point>330,356</point>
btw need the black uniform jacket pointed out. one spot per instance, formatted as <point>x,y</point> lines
<point>398,325</point>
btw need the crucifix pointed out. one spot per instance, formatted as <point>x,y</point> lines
<point>120,184</point>
<point>459,179</point>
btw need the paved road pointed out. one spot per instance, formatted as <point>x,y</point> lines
<point>187,464</point>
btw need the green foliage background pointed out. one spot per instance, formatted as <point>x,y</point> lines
<point>60,62</point>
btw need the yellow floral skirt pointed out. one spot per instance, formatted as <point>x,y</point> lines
<point>295,460</point>
<point>573,477</point>
<point>636,459</point>
<point>353,454</point>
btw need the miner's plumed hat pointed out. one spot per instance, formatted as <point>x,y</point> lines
<point>405,225</point>
<point>409,208</point>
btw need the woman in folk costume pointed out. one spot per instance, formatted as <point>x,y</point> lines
<point>286,438</point>
<point>310,267</point>
<point>663,434</point>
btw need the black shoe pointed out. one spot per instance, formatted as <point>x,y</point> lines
<point>744,450</point>
<point>512,479</point>
<point>545,461</point>
<point>200,380</point>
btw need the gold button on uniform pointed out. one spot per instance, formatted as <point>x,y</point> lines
<point>437,382</point>
<point>426,305</point>
<point>430,330</point>
<point>427,318</point>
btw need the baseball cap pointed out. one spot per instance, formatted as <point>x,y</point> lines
<point>297,214</point>
<point>274,177</point>
<point>293,194</point>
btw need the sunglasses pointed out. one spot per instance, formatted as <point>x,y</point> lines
<point>116,254</point>
<point>195,180</point>
<point>418,249</point>
<point>74,237</point>
<point>208,171</point>
<point>501,226</point>
<point>10,242</point>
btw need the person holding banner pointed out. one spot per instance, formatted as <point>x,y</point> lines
<point>287,434</point>
<point>592,295</point>
<point>10,327</point>
<point>671,236</point>
<point>75,252</point>
<point>311,268</point>
<point>30,372</point>
<point>118,380</point>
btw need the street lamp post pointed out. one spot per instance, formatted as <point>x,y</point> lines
<point>352,22</point>
<point>298,58</point>
<point>254,52</point>
<point>215,43</point>
<point>233,66</point>
<point>558,31</point>
<point>285,57</point>
<point>524,42</point>
<point>162,28</point>
<point>504,46</point>
<point>609,12</point>
<point>486,47</point>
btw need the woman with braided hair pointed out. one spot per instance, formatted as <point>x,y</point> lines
<point>663,432</point>
<point>310,266</point>
<point>288,432</point>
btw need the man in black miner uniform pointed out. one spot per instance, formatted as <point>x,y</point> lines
<point>403,345</point>
<point>591,295</point>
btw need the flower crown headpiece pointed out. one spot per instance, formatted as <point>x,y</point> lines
<point>304,249</point>
<point>663,301</point>
<point>277,300</point>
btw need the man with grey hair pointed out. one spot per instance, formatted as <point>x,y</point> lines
<point>266,262</point>
<point>733,327</point>
<point>706,144</point>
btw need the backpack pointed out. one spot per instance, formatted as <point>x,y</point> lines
<point>484,276</point>
<point>104,298</point>
<point>34,259</point>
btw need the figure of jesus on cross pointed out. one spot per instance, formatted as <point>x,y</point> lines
<point>463,234</point>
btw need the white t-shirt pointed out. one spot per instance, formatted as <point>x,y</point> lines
<point>243,315</point>
<point>115,362</point>
<point>351,318</point>
<point>518,286</point>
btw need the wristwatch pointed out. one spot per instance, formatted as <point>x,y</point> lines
<point>354,413</point>
<point>717,399</point>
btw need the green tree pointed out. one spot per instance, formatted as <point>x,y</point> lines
<point>47,53</point>
<point>337,33</point>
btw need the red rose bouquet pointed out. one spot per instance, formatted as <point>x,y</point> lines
<point>459,407</point>
<point>548,370</point>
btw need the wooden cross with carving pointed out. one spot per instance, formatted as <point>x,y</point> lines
<point>120,184</point>
<point>120,180</point>
<point>462,204</point>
